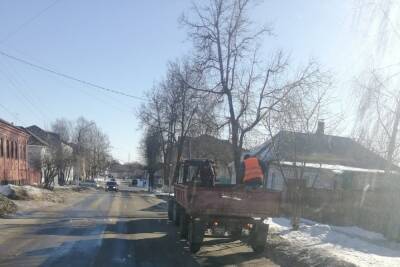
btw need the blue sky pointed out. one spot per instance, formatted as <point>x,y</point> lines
<point>125,45</point>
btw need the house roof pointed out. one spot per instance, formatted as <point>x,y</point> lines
<point>11,125</point>
<point>319,148</point>
<point>333,168</point>
<point>33,138</point>
<point>50,138</point>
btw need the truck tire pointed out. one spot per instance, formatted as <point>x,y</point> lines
<point>195,234</point>
<point>170,209</point>
<point>175,213</point>
<point>183,224</point>
<point>258,236</point>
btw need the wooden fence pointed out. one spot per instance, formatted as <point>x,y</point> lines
<point>376,210</point>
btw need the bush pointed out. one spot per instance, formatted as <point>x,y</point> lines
<point>6,206</point>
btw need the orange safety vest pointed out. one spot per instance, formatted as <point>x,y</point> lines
<point>252,169</point>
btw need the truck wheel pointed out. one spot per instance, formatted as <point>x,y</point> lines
<point>183,224</point>
<point>175,213</point>
<point>195,234</point>
<point>170,209</point>
<point>258,236</point>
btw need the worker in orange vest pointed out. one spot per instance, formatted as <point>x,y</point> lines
<point>252,171</point>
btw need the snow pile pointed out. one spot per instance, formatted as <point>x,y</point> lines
<point>350,244</point>
<point>34,192</point>
<point>27,192</point>
<point>6,190</point>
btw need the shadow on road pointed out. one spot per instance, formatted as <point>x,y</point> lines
<point>142,242</point>
<point>160,207</point>
<point>235,259</point>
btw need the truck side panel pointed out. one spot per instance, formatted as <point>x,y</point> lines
<point>228,201</point>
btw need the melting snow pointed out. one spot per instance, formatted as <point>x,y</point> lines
<point>5,190</point>
<point>352,244</point>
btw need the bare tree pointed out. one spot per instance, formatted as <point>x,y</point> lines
<point>299,114</point>
<point>82,142</point>
<point>194,109</point>
<point>151,152</point>
<point>64,128</point>
<point>97,152</point>
<point>93,147</point>
<point>227,51</point>
<point>50,169</point>
<point>378,115</point>
<point>56,161</point>
<point>63,160</point>
<point>377,88</point>
<point>160,114</point>
<point>176,111</point>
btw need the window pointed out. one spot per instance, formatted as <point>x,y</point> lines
<point>1,148</point>
<point>8,149</point>
<point>12,149</point>
<point>24,151</point>
<point>16,150</point>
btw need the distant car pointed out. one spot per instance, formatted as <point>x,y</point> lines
<point>111,186</point>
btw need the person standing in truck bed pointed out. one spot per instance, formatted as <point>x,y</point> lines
<point>252,172</point>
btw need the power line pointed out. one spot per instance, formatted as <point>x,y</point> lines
<point>29,20</point>
<point>15,81</point>
<point>87,91</point>
<point>69,77</point>
<point>23,97</point>
<point>9,112</point>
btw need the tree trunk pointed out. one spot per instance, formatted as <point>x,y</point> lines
<point>151,180</point>
<point>181,144</point>
<point>236,151</point>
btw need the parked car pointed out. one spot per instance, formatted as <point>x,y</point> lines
<point>111,186</point>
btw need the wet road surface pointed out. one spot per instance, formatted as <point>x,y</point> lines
<point>111,229</point>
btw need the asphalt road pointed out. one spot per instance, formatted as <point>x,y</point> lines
<point>111,229</point>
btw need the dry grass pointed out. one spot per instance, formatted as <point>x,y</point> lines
<point>7,206</point>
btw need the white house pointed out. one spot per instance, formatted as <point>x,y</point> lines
<point>323,161</point>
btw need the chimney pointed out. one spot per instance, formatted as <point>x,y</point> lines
<point>321,127</point>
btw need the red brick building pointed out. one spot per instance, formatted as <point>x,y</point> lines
<point>13,155</point>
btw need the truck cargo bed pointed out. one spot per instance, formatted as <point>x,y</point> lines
<point>230,201</point>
